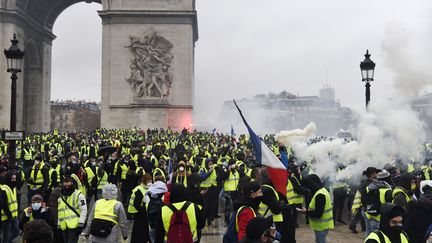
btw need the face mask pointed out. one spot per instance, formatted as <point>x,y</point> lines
<point>36,162</point>
<point>181,168</point>
<point>36,206</point>
<point>73,161</point>
<point>93,163</point>
<point>397,228</point>
<point>67,191</point>
<point>100,164</point>
<point>149,184</point>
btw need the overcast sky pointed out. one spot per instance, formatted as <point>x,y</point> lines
<point>247,47</point>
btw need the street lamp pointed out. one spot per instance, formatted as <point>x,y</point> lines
<point>367,67</point>
<point>14,58</point>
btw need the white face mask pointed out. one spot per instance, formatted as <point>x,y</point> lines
<point>36,206</point>
<point>181,168</point>
<point>149,184</point>
<point>93,163</point>
<point>73,161</point>
<point>36,162</point>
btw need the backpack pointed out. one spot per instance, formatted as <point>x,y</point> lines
<point>179,230</point>
<point>231,236</point>
<point>154,210</point>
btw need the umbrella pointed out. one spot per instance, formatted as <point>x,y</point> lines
<point>107,149</point>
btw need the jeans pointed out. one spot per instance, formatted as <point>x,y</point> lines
<point>371,224</point>
<point>9,230</point>
<point>320,236</point>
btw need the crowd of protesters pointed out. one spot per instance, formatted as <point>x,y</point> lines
<point>169,184</point>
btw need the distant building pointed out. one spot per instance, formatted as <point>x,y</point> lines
<point>75,116</point>
<point>272,113</point>
<point>423,106</point>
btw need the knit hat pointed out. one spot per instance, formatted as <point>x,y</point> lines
<point>257,227</point>
<point>37,197</point>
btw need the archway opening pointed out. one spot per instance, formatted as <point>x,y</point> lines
<point>76,59</point>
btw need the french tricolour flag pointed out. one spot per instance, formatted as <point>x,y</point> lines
<point>277,171</point>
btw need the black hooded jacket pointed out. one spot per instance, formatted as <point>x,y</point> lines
<point>313,182</point>
<point>389,211</point>
<point>404,184</point>
<point>419,218</point>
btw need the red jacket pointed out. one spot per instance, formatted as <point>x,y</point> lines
<point>243,219</point>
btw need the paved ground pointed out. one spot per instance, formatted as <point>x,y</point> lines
<point>341,234</point>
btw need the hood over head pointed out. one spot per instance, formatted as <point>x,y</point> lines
<point>313,182</point>
<point>109,191</point>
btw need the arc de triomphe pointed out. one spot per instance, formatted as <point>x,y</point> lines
<point>147,61</point>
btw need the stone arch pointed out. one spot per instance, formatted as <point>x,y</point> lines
<point>33,20</point>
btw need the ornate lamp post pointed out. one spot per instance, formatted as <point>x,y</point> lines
<point>14,57</point>
<point>367,67</point>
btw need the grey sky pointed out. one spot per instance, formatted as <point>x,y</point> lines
<point>256,46</point>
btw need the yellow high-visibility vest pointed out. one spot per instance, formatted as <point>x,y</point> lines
<point>265,211</point>
<point>374,236</point>
<point>131,208</point>
<point>190,211</point>
<point>357,204</point>
<point>292,196</point>
<point>102,181</point>
<point>104,209</point>
<point>211,180</point>
<point>400,190</point>
<point>160,171</point>
<point>326,220</point>
<point>80,186</point>
<point>231,183</point>
<point>67,218</point>
<point>38,178</point>
<point>11,201</point>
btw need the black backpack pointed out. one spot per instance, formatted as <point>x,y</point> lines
<point>154,210</point>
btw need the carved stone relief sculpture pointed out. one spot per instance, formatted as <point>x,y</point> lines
<point>150,66</point>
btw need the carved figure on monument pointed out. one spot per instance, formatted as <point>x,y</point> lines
<point>150,75</point>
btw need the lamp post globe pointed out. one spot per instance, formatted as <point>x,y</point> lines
<point>367,67</point>
<point>14,58</point>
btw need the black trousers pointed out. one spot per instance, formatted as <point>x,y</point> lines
<point>339,196</point>
<point>140,229</point>
<point>210,203</point>
<point>287,228</point>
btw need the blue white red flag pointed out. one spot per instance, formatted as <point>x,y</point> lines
<point>277,171</point>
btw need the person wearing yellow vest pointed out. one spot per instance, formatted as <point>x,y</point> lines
<point>427,172</point>
<point>231,177</point>
<point>377,193</point>
<point>91,182</point>
<point>402,194</point>
<point>107,212</point>
<point>37,210</point>
<point>181,175</point>
<point>356,215</point>
<point>72,211</point>
<point>37,179</point>
<point>391,227</point>
<point>320,210</point>
<point>271,204</point>
<point>160,171</point>
<point>101,176</point>
<point>209,184</point>
<point>9,208</point>
<point>179,204</point>
<point>137,209</point>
